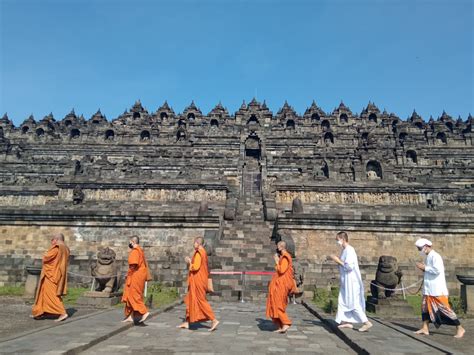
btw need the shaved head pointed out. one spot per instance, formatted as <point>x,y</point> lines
<point>282,244</point>
<point>199,240</point>
<point>59,237</point>
<point>135,239</point>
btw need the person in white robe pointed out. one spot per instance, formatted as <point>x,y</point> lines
<point>351,302</point>
<point>435,307</point>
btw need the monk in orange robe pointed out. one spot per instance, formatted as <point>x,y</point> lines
<point>53,281</point>
<point>281,285</point>
<point>138,274</point>
<point>197,307</point>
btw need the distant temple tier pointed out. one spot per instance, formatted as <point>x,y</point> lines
<point>170,176</point>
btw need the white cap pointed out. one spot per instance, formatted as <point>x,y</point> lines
<point>420,243</point>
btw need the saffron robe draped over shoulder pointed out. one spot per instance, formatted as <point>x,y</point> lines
<point>197,307</point>
<point>280,286</point>
<point>53,282</point>
<point>135,283</point>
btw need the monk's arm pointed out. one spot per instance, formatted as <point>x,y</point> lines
<point>283,266</point>
<point>196,264</point>
<point>50,255</point>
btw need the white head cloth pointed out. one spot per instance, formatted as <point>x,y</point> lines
<point>420,243</point>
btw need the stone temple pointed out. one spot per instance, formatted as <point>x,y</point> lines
<point>242,181</point>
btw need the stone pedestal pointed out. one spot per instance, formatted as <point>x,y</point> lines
<point>392,307</point>
<point>99,299</point>
<point>32,279</point>
<point>467,297</point>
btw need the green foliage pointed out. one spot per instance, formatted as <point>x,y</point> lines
<point>456,305</point>
<point>161,295</point>
<point>326,299</point>
<point>12,290</point>
<point>73,293</point>
<point>415,302</point>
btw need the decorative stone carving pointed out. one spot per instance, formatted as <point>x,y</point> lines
<point>105,271</point>
<point>388,276</point>
<point>77,195</point>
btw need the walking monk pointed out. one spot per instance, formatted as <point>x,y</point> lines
<point>137,275</point>
<point>53,281</point>
<point>197,307</point>
<point>281,285</point>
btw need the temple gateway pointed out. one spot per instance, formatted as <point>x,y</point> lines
<point>241,181</point>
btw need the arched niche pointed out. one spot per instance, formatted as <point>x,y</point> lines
<point>374,170</point>
<point>109,135</point>
<point>145,135</point>
<point>136,115</point>
<point>40,132</point>
<point>373,118</point>
<point>290,124</point>
<point>163,115</point>
<point>450,126</point>
<point>325,125</point>
<point>441,138</point>
<point>25,129</point>
<point>419,125</point>
<point>343,118</point>
<point>253,120</point>
<point>75,133</point>
<point>411,156</point>
<point>315,117</point>
<point>181,134</point>
<point>67,123</point>
<point>214,123</point>
<point>328,138</point>
<point>181,123</point>
<point>191,116</point>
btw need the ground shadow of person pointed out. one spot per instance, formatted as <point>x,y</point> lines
<point>265,325</point>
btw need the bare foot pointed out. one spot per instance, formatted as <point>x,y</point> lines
<point>144,317</point>
<point>345,325</point>
<point>460,333</point>
<point>422,332</point>
<point>277,331</point>
<point>284,329</point>
<point>365,327</point>
<point>61,317</point>
<point>215,323</point>
<point>185,325</point>
<point>128,319</point>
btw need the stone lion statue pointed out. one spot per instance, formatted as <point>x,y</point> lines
<point>388,276</point>
<point>103,270</point>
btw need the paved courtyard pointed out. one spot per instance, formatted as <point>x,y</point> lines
<point>243,330</point>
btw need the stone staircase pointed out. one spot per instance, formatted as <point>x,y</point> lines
<point>245,246</point>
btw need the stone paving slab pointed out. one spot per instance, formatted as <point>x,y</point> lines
<point>243,330</point>
<point>70,336</point>
<point>384,338</point>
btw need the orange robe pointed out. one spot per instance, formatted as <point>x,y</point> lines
<point>197,307</point>
<point>135,282</point>
<point>281,285</point>
<point>53,282</point>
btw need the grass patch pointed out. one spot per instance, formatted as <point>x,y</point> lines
<point>159,295</point>
<point>73,293</point>
<point>454,301</point>
<point>326,299</point>
<point>12,290</point>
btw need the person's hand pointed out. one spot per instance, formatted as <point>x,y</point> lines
<point>334,258</point>
<point>276,258</point>
<point>187,259</point>
<point>420,266</point>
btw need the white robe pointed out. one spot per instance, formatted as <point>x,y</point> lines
<point>351,302</point>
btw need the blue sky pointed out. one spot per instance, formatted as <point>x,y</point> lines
<point>84,54</point>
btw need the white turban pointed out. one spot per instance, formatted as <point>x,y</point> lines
<point>420,243</point>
